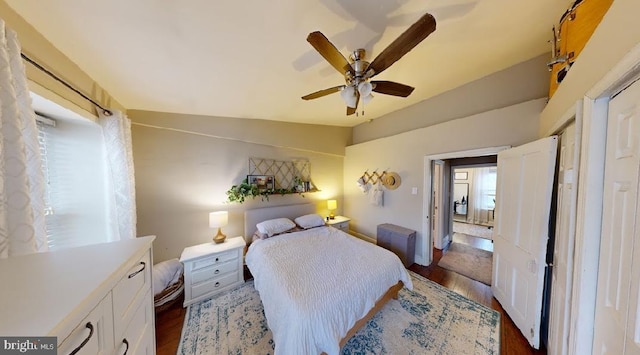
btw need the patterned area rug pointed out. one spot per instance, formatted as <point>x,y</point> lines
<point>471,262</point>
<point>473,229</point>
<point>428,320</point>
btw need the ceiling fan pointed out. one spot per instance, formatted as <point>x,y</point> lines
<point>358,72</point>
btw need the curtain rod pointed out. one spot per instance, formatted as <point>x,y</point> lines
<point>46,71</point>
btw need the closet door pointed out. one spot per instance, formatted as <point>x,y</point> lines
<point>562,271</point>
<point>523,204</point>
<point>617,291</point>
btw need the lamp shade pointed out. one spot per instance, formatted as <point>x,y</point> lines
<point>332,204</point>
<point>365,88</point>
<point>348,94</point>
<point>218,219</point>
<point>366,99</point>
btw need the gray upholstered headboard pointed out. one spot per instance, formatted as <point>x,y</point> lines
<point>255,216</point>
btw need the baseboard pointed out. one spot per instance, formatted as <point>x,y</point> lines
<point>362,236</point>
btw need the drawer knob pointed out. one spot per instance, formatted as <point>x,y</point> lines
<point>216,272</point>
<point>217,259</point>
<point>126,344</point>
<point>217,284</point>
<point>85,341</point>
<point>144,265</point>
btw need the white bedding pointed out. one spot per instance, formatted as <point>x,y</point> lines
<point>315,284</point>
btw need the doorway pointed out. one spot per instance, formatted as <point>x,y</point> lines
<point>474,199</point>
<point>444,213</point>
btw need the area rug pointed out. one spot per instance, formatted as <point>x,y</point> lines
<point>473,230</point>
<point>471,262</point>
<point>428,320</point>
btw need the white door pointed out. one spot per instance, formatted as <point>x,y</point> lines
<point>562,270</point>
<point>523,202</point>
<point>437,212</point>
<point>616,319</point>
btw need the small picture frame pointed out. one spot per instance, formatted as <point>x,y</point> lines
<point>262,182</point>
<point>461,176</point>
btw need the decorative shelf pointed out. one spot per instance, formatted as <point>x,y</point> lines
<point>286,173</point>
<point>274,177</point>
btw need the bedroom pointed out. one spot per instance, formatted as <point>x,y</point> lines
<point>175,202</point>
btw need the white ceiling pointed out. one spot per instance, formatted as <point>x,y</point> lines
<point>250,59</point>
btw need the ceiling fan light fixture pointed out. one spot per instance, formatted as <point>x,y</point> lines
<point>366,99</point>
<point>349,97</point>
<point>365,88</point>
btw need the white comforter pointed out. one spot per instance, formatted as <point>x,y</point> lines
<point>315,284</point>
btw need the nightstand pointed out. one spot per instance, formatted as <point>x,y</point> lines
<point>339,222</point>
<point>210,269</point>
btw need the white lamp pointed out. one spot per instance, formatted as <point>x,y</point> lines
<point>348,94</point>
<point>218,220</point>
<point>365,88</point>
<point>332,205</point>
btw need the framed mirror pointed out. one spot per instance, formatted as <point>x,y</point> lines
<point>460,200</point>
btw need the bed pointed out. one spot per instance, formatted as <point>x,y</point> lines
<point>319,285</point>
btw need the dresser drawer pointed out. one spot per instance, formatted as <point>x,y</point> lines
<point>214,271</point>
<point>128,293</point>
<point>132,341</point>
<point>214,284</point>
<point>94,334</point>
<point>215,259</point>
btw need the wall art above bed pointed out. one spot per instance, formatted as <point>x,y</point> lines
<point>270,177</point>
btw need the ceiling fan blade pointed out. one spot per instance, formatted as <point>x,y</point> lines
<point>322,93</point>
<point>329,52</point>
<point>352,110</point>
<point>392,88</point>
<point>403,44</point>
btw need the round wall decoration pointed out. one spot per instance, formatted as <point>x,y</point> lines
<point>391,180</point>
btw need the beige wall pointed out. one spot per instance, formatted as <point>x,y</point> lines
<point>617,34</point>
<point>404,153</point>
<point>38,48</point>
<point>182,175</point>
<point>522,82</point>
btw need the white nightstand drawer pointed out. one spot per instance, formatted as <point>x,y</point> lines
<point>211,268</point>
<point>215,284</point>
<point>215,259</point>
<point>343,226</point>
<point>339,222</point>
<point>215,271</point>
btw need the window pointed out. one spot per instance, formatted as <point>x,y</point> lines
<point>73,166</point>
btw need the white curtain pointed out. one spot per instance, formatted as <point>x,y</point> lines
<point>22,226</point>
<point>116,130</point>
<point>480,195</point>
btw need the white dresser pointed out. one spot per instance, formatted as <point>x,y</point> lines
<point>97,298</point>
<point>211,268</point>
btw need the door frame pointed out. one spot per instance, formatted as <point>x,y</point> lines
<point>427,251</point>
<point>595,105</point>
<point>437,187</point>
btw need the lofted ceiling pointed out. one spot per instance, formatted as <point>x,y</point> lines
<point>250,59</point>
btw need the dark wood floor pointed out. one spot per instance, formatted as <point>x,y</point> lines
<point>169,322</point>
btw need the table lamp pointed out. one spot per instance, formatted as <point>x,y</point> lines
<point>218,220</point>
<point>332,205</point>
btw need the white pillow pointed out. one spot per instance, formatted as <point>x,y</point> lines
<point>310,221</point>
<point>275,226</point>
<point>166,273</point>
